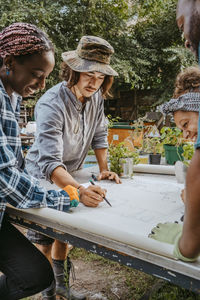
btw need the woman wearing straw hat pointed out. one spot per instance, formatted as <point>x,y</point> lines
<point>70,118</point>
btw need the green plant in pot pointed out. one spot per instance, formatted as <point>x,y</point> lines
<point>182,166</point>
<point>172,140</point>
<point>154,147</point>
<point>122,159</point>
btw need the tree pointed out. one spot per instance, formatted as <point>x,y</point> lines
<point>66,21</point>
<point>149,51</point>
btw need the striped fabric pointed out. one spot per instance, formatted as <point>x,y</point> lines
<point>186,102</point>
<point>16,186</point>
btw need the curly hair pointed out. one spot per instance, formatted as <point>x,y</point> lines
<point>187,81</point>
<point>72,77</point>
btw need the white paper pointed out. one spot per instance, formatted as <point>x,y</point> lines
<point>138,205</point>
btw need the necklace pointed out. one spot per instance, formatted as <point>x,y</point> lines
<point>77,124</point>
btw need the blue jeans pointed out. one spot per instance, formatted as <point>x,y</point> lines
<point>26,270</point>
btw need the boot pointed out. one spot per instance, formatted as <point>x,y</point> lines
<point>62,273</point>
<point>50,292</point>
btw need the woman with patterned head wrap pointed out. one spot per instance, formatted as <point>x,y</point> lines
<point>185,103</point>
<point>26,59</point>
<point>185,106</point>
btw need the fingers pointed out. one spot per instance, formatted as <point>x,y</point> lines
<point>151,235</point>
<point>110,176</point>
<point>156,233</point>
<point>90,202</point>
<point>166,232</point>
<point>117,179</point>
<point>92,196</point>
<point>183,195</point>
<point>155,230</point>
<point>97,190</point>
<point>114,177</point>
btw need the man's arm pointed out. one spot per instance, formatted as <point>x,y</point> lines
<point>61,178</point>
<point>101,155</point>
<point>189,243</point>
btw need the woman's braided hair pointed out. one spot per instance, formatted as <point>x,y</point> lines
<point>21,39</point>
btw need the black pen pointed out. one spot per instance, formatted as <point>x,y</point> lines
<point>94,177</point>
<point>92,182</point>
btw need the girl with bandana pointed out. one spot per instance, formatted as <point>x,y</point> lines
<point>185,106</point>
<point>185,103</point>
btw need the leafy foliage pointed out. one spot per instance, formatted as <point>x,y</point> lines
<point>171,136</point>
<point>112,120</point>
<point>152,145</point>
<point>66,21</point>
<point>149,51</point>
<point>188,152</point>
<point>116,155</point>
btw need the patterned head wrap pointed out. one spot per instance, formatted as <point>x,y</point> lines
<point>23,38</point>
<point>185,102</point>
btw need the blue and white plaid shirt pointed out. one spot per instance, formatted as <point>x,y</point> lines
<point>17,187</point>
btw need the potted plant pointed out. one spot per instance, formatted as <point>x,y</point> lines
<point>182,166</point>
<point>172,140</point>
<point>153,146</point>
<point>122,159</point>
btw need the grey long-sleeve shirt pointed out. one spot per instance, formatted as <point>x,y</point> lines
<point>65,131</point>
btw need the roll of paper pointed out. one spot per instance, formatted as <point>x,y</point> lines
<point>154,169</point>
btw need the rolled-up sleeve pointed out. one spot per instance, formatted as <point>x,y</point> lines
<point>100,139</point>
<point>22,190</point>
<point>49,137</point>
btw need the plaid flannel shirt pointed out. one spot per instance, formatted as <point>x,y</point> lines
<point>17,187</point>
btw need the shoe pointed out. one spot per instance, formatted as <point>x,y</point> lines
<point>62,272</point>
<point>69,294</point>
<point>50,292</point>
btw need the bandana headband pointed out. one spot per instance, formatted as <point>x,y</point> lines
<point>185,102</point>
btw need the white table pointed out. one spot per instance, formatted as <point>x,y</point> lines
<point>121,232</point>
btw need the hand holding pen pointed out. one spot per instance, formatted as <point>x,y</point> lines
<point>92,182</point>
<point>92,195</point>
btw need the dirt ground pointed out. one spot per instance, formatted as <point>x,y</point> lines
<point>102,279</point>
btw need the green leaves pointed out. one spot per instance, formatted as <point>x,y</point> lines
<point>152,145</point>
<point>171,136</point>
<point>149,51</point>
<point>188,152</point>
<point>116,155</point>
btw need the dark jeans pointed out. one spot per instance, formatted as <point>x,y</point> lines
<point>26,270</point>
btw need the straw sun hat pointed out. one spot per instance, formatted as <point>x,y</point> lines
<point>92,55</point>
